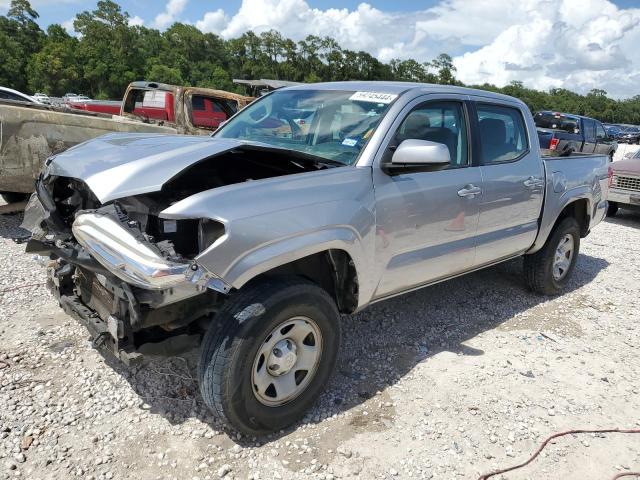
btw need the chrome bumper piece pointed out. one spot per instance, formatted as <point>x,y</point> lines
<point>626,197</point>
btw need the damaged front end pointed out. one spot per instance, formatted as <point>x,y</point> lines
<point>126,274</point>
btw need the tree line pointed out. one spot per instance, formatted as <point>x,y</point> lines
<point>108,53</point>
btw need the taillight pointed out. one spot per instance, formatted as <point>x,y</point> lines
<point>610,175</point>
<point>554,143</point>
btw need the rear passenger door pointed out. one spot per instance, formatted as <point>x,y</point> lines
<point>589,131</point>
<point>513,182</point>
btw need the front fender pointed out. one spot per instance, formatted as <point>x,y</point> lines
<point>287,250</point>
<point>272,222</point>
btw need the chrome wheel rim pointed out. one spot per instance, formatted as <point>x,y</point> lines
<point>563,257</point>
<point>286,361</point>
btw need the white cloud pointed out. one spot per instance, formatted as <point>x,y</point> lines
<point>170,14</point>
<point>68,26</point>
<point>213,22</point>
<point>572,44</point>
<point>136,21</point>
<point>576,44</point>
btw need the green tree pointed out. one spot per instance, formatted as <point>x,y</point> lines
<point>55,69</point>
<point>20,38</point>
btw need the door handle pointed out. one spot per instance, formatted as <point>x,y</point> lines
<point>533,182</point>
<point>469,191</point>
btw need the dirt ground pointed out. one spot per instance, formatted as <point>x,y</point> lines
<point>448,382</point>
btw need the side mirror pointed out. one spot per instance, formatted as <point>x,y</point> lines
<point>611,137</point>
<point>418,156</point>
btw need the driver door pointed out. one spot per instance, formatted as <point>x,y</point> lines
<point>427,221</point>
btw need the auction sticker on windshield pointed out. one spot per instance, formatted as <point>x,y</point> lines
<point>373,97</point>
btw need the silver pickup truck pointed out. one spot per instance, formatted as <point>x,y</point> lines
<point>315,200</point>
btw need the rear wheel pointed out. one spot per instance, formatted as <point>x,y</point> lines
<point>612,209</point>
<point>548,270</point>
<point>268,354</point>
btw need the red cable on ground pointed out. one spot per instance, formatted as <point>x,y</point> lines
<point>22,286</point>
<point>556,435</point>
<point>626,474</point>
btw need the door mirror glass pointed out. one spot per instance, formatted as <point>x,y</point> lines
<point>421,152</point>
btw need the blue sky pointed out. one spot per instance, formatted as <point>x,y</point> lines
<point>59,11</point>
<point>574,44</point>
<point>52,11</point>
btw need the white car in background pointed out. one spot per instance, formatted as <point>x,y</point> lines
<point>11,94</point>
<point>42,98</point>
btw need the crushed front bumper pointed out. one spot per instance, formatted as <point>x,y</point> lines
<point>112,335</point>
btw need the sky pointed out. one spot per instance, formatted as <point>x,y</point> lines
<point>574,44</point>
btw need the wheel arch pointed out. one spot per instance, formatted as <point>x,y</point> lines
<point>333,270</point>
<point>577,206</point>
<point>330,258</point>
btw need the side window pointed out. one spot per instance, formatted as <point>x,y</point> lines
<point>589,130</point>
<point>210,112</point>
<point>503,136</point>
<point>197,103</point>
<point>441,122</point>
<point>600,133</point>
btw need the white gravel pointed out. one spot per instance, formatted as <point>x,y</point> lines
<point>448,382</point>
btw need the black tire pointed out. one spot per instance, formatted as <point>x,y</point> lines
<point>612,209</point>
<point>538,267</point>
<point>230,346</point>
<point>14,197</point>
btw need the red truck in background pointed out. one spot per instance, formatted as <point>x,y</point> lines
<point>190,109</point>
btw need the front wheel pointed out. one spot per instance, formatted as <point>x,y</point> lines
<point>548,270</point>
<point>268,354</point>
<point>612,209</point>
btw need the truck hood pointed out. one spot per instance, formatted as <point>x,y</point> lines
<point>122,164</point>
<point>630,165</point>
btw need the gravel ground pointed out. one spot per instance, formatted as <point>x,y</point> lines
<point>449,382</point>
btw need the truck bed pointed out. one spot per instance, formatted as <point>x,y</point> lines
<point>581,175</point>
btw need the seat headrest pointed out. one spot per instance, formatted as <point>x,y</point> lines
<point>493,131</point>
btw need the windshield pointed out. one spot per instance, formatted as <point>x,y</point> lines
<point>333,125</point>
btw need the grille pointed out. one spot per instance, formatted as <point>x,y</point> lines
<point>626,183</point>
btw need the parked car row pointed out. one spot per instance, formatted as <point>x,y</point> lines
<point>624,133</point>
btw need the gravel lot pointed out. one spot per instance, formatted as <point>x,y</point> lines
<point>448,382</point>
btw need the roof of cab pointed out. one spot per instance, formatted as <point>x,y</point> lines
<point>399,88</point>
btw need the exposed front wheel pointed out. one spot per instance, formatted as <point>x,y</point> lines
<point>612,209</point>
<point>268,354</point>
<point>548,270</point>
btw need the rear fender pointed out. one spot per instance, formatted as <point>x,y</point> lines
<point>556,203</point>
